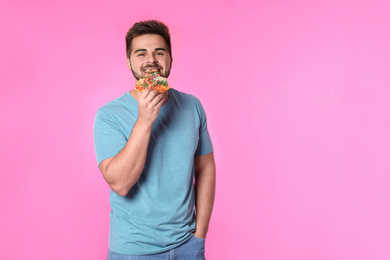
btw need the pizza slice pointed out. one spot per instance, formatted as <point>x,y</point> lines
<point>153,80</point>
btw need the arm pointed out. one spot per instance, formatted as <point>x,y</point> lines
<point>205,176</point>
<point>123,171</point>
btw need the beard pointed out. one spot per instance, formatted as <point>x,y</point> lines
<point>138,76</point>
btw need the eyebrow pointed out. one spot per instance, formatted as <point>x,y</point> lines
<point>138,50</point>
<point>157,49</point>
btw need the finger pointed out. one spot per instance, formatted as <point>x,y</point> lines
<point>145,93</point>
<point>152,95</point>
<point>157,100</point>
<point>163,100</point>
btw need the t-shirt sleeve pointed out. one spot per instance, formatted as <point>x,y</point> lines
<point>109,140</point>
<point>204,145</point>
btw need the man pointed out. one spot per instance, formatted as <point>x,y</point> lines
<point>150,147</point>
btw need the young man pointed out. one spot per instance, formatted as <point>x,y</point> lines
<point>150,147</point>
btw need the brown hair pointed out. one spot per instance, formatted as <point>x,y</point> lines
<point>148,27</point>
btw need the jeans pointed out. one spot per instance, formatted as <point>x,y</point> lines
<point>193,249</point>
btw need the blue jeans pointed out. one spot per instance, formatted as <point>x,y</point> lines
<point>193,249</point>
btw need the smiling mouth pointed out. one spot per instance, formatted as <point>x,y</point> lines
<point>151,69</point>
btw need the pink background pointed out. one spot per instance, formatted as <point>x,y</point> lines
<point>298,114</point>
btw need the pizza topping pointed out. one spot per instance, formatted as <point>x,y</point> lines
<point>153,80</point>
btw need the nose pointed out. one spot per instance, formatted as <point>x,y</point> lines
<point>151,59</point>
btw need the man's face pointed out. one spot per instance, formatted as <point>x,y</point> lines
<point>149,51</point>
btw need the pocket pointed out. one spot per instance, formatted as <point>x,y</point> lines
<point>198,238</point>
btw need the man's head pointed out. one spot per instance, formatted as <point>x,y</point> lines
<point>148,45</point>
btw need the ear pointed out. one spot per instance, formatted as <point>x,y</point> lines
<point>128,63</point>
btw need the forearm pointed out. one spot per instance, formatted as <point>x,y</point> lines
<point>124,170</point>
<point>205,193</point>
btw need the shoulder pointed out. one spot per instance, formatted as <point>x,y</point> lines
<point>114,107</point>
<point>188,102</point>
<point>184,97</point>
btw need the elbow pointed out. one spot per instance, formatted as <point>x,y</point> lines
<point>120,183</point>
<point>122,193</point>
<point>121,190</point>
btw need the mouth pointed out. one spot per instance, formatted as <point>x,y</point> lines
<point>150,69</point>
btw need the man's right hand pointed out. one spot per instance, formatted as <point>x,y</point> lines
<point>149,105</point>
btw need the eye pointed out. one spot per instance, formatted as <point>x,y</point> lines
<point>140,55</point>
<point>160,53</point>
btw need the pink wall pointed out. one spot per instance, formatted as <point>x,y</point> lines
<point>299,119</point>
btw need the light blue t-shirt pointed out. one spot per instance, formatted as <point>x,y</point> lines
<point>158,212</point>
